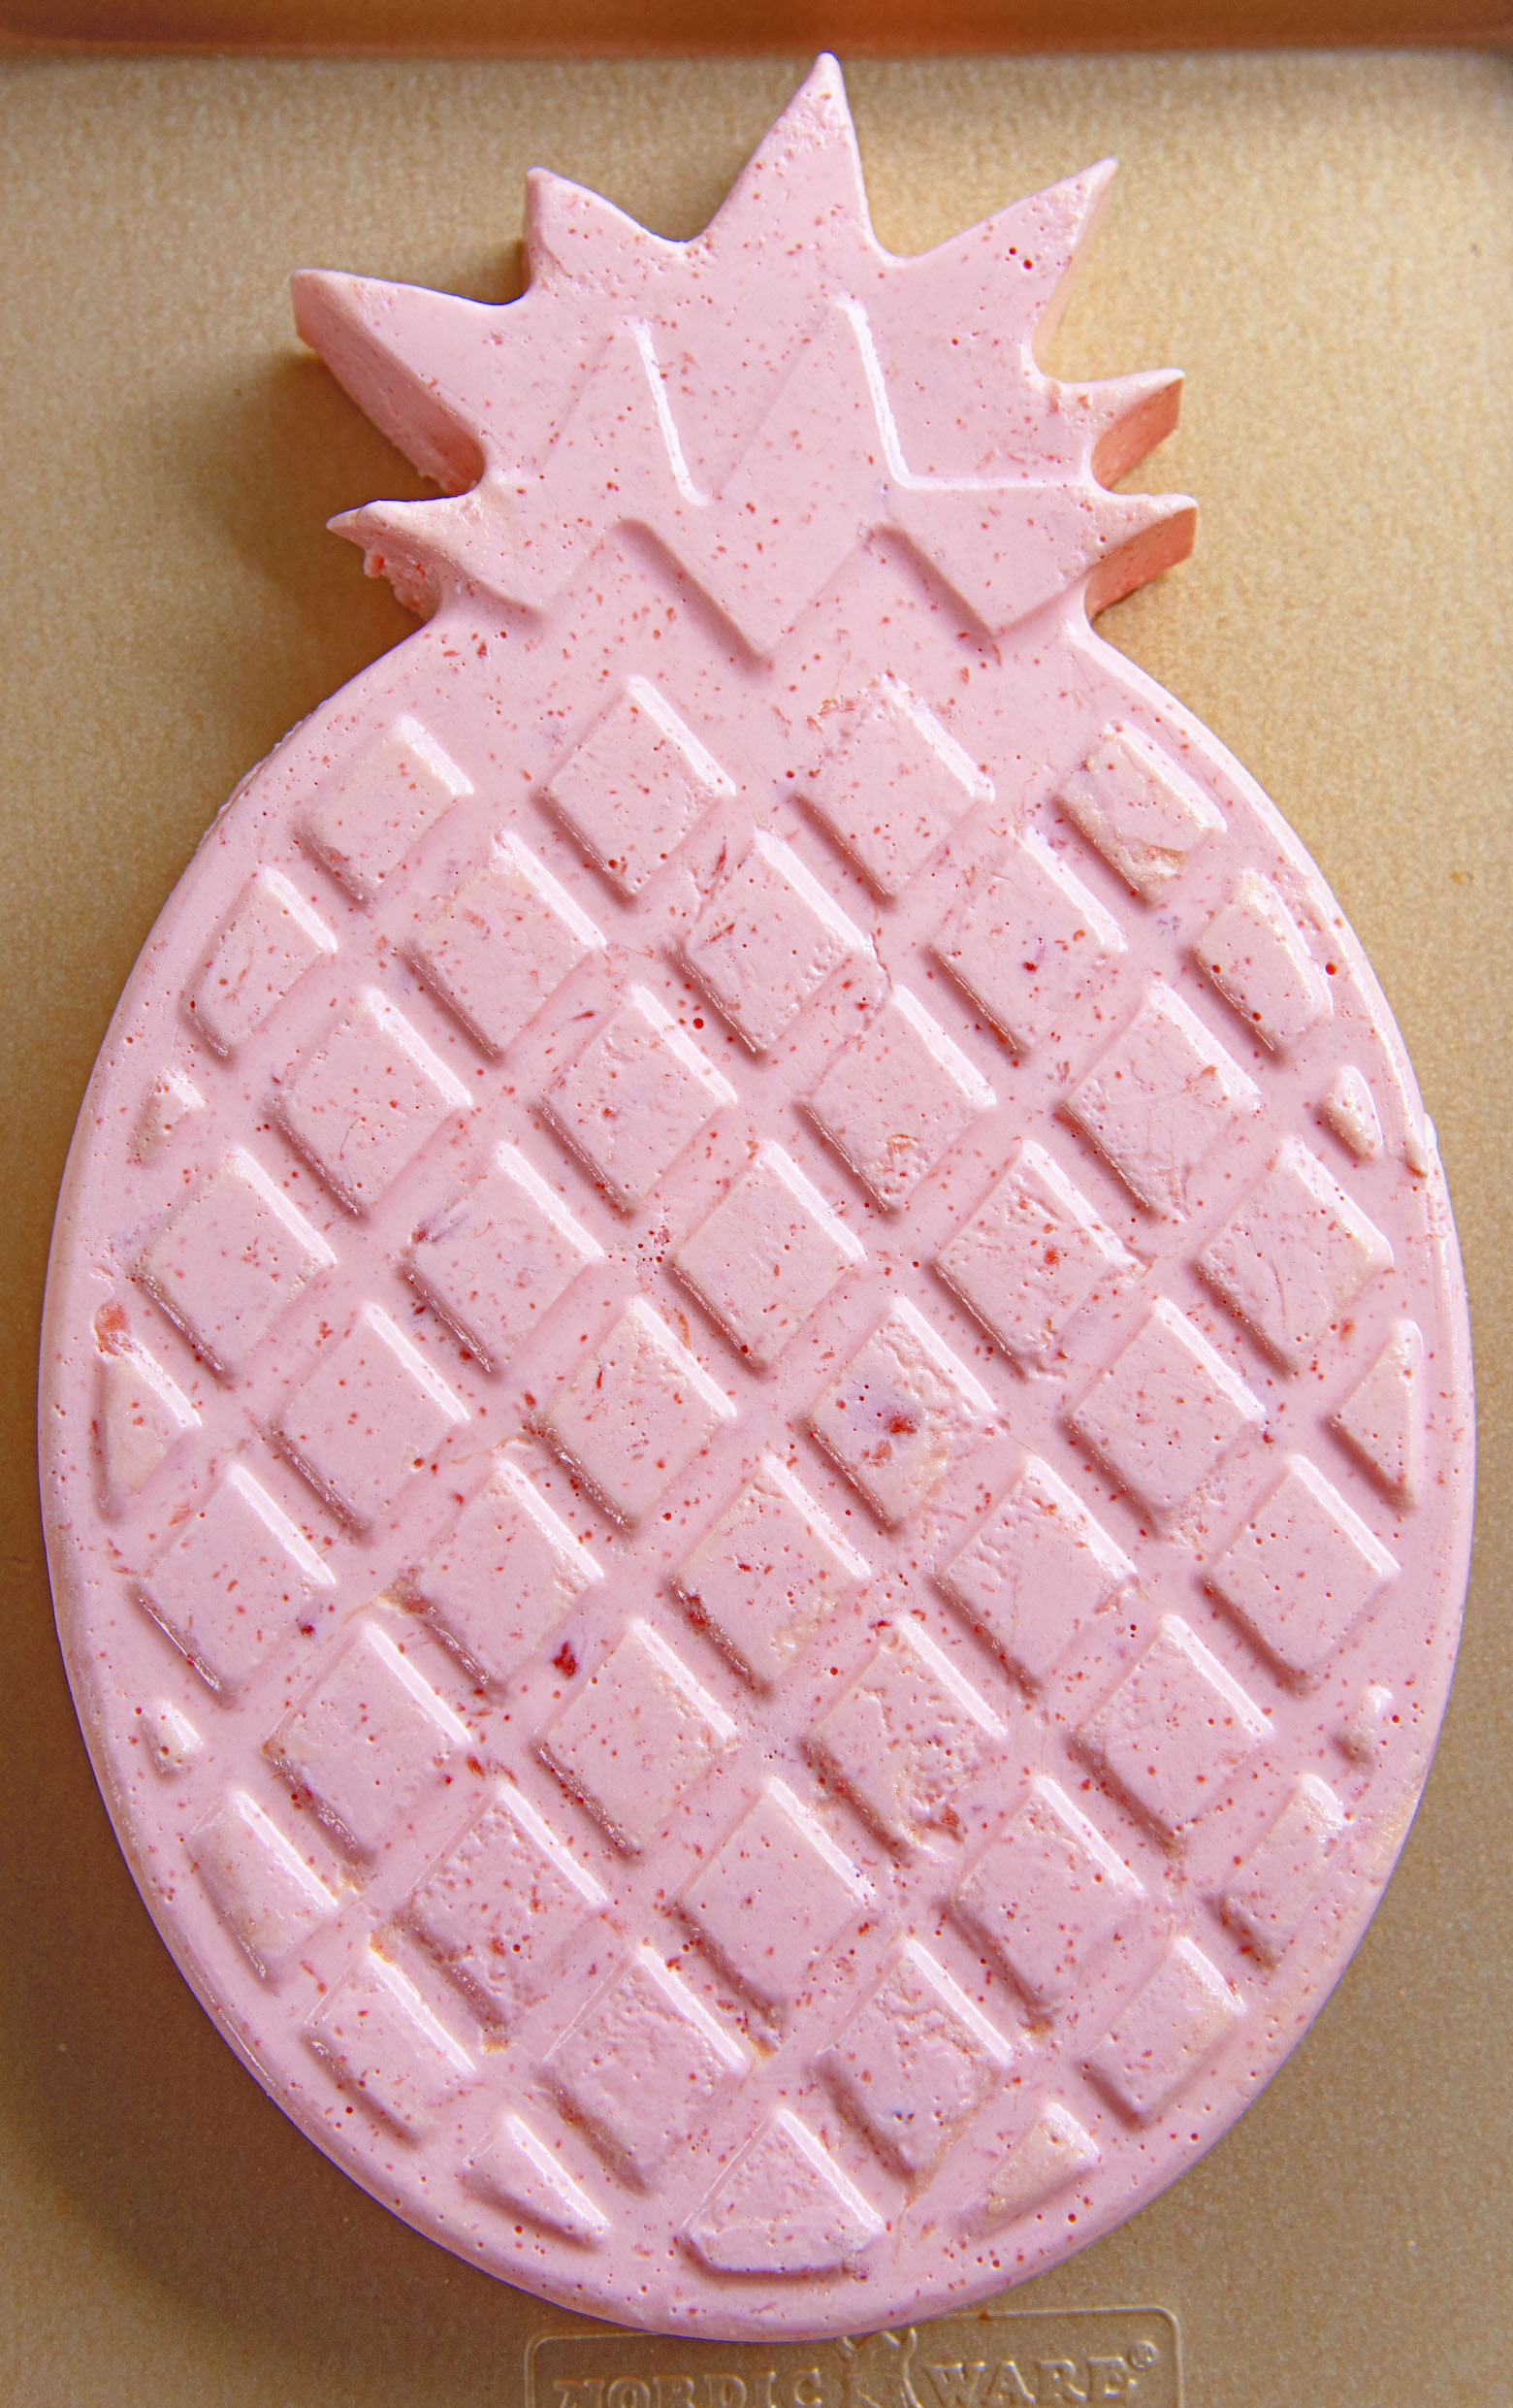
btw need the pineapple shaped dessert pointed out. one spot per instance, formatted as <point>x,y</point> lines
<point>756,1411</point>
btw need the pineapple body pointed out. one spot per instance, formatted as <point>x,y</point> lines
<point>757,1417</point>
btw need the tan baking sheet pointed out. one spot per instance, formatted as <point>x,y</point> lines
<point>1324,242</point>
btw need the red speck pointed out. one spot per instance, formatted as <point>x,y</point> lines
<point>109,1327</point>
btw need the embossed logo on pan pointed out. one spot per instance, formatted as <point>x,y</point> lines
<point>1040,2358</point>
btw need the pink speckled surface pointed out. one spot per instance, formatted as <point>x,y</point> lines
<point>1189,1306</point>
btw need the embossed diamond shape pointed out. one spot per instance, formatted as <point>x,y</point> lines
<point>368,817</point>
<point>635,785</point>
<point>1027,941</point>
<point>502,943</point>
<point>893,783</point>
<point>636,1412</point>
<point>264,1892</point>
<point>233,1579</point>
<point>169,1102</point>
<point>905,1734</point>
<point>1050,2152</point>
<point>1257,956</point>
<point>505,1576</point>
<point>915,2060</point>
<point>261,953</point>
<point>767,1255</point>
<point>1034,1571</point>
<point>169,1740</point>
<point>1167,2032</point>
<point>637,1737</point>
<point>897,1413</point>
<point>1366,1732</point>
<point>231,1260</point>
<point>1133,803</point>
<point>369,1415</point>
<point>371,1733</point>
<point>643,2066</point>
<point>501,1907</point>
<point>1175,1729</point>
<point>1295,1256</point>
<point>361,1108</point>
<point>771,1571</point>
<point>1032,1255</point>
<point>1166,1410</point>
<point>381,2040</point>
<point>1160,1098</point>
<point>519,2171</point>
<point>495,1261</point>
<point>1348,1108</point>
<point>142,1417</point>
<point>1303,1569</point>
<point>1271,1893</point>
<point>784,2207</point>
<point>636,1095</point>
<point>1382,1420</point>
<point>775,1895</point>
<point>1047,1894</point>
<point>1259,962</point>
<point>895,1101</point>
<point>766,941</point>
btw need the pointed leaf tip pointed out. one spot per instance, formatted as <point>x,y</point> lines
<point>380,342</point>
<point>1147,533</point>
<point>823,91</point>
<point>1063,217</point>
<point>1081,196</point>
<point>1010,273</point>
<point>401,543</point>
<point>1126,417</point>
<point>804,175</point>
<point>575,232</point>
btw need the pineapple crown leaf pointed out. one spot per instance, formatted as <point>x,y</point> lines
<point>872,394</point>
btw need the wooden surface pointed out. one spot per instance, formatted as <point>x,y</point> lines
<point>1323,242</point>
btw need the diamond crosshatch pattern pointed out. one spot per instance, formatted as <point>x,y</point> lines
<point>766,1372</point>
<point>776,1896</point>
<point>499,1911</point>
<point>230,1260</point>
<point>502,944</point>
<point>497,1258</point>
